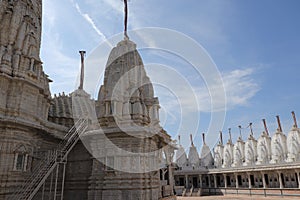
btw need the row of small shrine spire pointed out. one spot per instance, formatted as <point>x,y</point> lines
<point>249,126</point>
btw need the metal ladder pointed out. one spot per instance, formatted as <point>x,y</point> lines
<point>41,172</point>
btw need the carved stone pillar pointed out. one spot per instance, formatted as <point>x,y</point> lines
<point>280,180</point>
<point>2,51</point>
<point>249,180</point>
<point>200,181</point>
<point>209,181</point>
<point>171,178</point>
<point>264,180</point>
<point>298,178</point>
<point>169,152</point>
<point>186,182</point>
<point>215,180</point>
<point>236,181</point>
<point>225,181</point>
<point>31,68</point>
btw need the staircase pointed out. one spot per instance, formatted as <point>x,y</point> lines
<point>199,192</point>
<point>191,191</point>
<point>184,192</point>
<point>195,192</point>
<point>40,173</point>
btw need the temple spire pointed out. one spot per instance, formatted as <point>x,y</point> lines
<point>265,125</point>
<point>230,138</point>
<point>203,138</point>
<point>125,18</point>
<point>82,53</point>
<point>279,124</point>
<point>240,129</point>
<point>251,129</point>
<point>221,137</point>
<point>191,137</point>
<point>295,120</point>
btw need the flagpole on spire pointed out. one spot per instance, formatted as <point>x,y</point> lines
<point>82,53</point>
<point>265,125</point>
<point>125,18</point>
<point>191,137</point>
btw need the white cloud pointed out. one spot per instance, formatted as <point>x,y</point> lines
<point>116,5</point>
<point>49,13</point>
<point>90,21</point>
<point>239,86</point>
<point>60,67</point>
<point>184,104</point>
<point>238,83</point>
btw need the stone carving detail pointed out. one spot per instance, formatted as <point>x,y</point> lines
<point>193,157</point>
<point>250,151</point>
<point>278,147</point>
<point>293,145</point>
<point>218,155</point>
<point>263,149</point>
<point>181,157</point>
<point>20,38</point>
<point>238,153</point>
<point>228,155</point>
<point>20,34</point>
<point>127,93</point>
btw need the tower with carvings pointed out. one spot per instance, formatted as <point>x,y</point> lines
<point>130,142</point>
<point>130,139</point>
<point>24,85</point>
<point>24,93</point>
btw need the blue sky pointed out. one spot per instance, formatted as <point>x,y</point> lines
<point>255,45</point>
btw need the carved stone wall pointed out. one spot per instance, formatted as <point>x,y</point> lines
<point>129,137</point>
<point>124,172</point>
<point>78,173</point>
<point>24,85</point>
<point>20,33</point>
<point>25,140</point>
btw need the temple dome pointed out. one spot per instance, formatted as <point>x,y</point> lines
<point>218,155</point>
<point>60,110</point>
<point>65,108</point>
<point>193,156</point>
<point>125,67</point>
<point>126,95</point>
<point>238,153</point>
<point>181,157</point>
<point>228,154</point>
<point>250,151</point>
<point>293,145</point>
<point>263,149</point>
<point>278,147</point>
<point>206,156</point>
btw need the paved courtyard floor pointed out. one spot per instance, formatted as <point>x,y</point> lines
<point>229,197</point>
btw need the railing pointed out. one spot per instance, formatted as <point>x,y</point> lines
<point>42,171</point>
<point>295,192</point>
<point>291,192</point>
